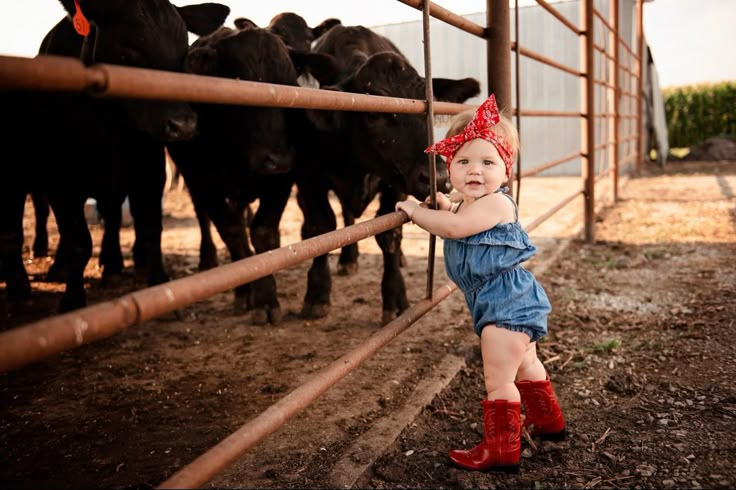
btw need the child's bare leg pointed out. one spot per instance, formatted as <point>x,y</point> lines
<point>503,351</point>
<point>531,367</point>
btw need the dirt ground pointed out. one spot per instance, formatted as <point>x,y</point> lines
<point>640,350</point>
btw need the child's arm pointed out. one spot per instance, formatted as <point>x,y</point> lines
<point>455,196</point>
<point>443,201</point>
<point>481,215</point>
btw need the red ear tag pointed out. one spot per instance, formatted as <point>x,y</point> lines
<point>81,24</point>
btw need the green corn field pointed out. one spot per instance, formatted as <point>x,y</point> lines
<point>697,112</point>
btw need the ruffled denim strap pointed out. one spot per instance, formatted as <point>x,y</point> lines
<point>505,191</point>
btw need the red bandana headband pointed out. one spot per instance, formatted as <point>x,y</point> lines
<point>479,128</point>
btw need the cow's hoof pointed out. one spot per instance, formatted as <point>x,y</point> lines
<point>259,316</point>
<point>275,315</point>
<point>111,279</point>
<point>71,303</point>
<point>40,251</point>
<point>56,273</point>
<point>19,292</point>
<point>113,267</point>
<point>312,312</point>
<point>347,269</point>
<point>156,278</point>
<point>240,305</point>
<point>389,316</point>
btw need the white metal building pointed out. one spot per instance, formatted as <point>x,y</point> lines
<point>458,54</point>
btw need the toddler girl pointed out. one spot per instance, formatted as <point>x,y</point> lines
<point>484,245</point>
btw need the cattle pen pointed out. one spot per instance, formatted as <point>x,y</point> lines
<point>610,77</point>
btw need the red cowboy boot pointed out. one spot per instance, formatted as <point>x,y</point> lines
<point>542,410</point>
<point>501,445</point>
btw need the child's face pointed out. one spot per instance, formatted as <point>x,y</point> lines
<point>477,169</point>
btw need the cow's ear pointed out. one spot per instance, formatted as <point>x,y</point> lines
<point>323,67</point>
<point>204,18</point>
<point>449,90</point>
<point>202,61</point>
<point>324,26</point>
<point>97,11</point>
<point>243,23</point>
<point>69,6</point>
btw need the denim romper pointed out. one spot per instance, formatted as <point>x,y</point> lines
<point>498,290</point>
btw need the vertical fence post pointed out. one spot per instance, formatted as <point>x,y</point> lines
<point>587,126</point>
<point>499,53</point>
<point>430,141</point>
<point>615,106</point>
<point>640,85</point>
<point>517,90</point>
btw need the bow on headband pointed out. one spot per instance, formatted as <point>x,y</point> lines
<point>480,127</point>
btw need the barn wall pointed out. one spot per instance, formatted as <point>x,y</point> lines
<point>457,54</point>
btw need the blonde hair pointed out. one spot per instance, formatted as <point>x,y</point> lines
<point>504,128</point>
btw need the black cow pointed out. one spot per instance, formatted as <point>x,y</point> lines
<point>240,154</point>
<point>299,37</point>
<point>294,31</point>
<point>350,148</point>
<point>102,148</point>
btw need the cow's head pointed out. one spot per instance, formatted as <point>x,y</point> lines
<point>391,145</point>
<point>146,34</point>
<point>262,136</point>
<point>294,31</point>
<point>317,70</point>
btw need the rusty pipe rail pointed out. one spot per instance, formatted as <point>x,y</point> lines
<point>603,19</point>
<point>558,15</point>
<point>58,73</point>
<point>429,96</point>
<point>43,338</point>
<point>546,60</point>
<point>553,163</point>
<point>212,462</point>
<point>449,17</point>
<point>546,113</point>
<point>542,218</point>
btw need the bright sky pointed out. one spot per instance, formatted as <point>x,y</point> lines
<point>692,41</point>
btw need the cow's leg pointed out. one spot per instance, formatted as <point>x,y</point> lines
<point>12,203</point>
<point>111,258</point>
<point>207,249</point>
<point>41,211</point>
<point>146,197</point>
<point>347,265</point>
<point>319,218</point>
<point>393,290</point>
<point>68,208</point>
<point>231,226</point>
<point>354,200</point>
<point>264,233</point>
<point>58,270</point>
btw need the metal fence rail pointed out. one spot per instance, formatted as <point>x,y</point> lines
<point>212,462</point>
<point>57,73</point>
<point>41,339</point>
